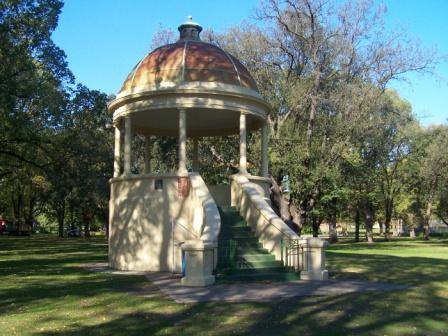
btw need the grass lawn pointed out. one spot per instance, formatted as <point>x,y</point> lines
<point>43,291</point>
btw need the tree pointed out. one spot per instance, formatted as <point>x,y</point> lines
<point>427,180</point>
<point>322,68</point>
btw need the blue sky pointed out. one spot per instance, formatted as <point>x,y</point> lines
<point>103,39</point>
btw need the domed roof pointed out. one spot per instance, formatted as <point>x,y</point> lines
<point>211,85</point>
<point>187,60</point>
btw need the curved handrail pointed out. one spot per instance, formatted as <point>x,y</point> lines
<point>211,220</point>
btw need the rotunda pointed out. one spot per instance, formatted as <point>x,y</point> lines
<point>162,222</point>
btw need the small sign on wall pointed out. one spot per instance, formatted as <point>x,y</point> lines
<point>183,187</point>
<point>158,184</point>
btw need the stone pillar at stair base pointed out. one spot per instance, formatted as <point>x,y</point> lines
<point>312,259</point>
<point>199,263</point>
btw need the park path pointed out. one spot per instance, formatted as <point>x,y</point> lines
<point>169,285</point>
<point>261,292</point>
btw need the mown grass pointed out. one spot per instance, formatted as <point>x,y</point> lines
<point>44,291</point>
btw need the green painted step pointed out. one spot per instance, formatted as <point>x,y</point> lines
<point>257,265</point>
<point>240,240</point>
<point>256,257</point>
<point>236,229</point>
<point>240,255</point>
<point>271,277</point>
<point>252,250</point>
<point>242,243</point>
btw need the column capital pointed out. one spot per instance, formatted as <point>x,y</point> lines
<point>117,123</point>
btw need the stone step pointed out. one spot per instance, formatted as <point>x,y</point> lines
<point>240,243</point>
<point>259,264</point>
<point>255,257</point>
<point>250,261</point>
<point>254,277</point>
<point>242,270</point>
<point>242,228</point>
<point>236,223</point>
<point>244,263</point>
<point>231,235</point>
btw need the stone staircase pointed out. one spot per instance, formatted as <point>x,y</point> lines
<point>241,257</point>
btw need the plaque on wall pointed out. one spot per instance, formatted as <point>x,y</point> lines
<point>183,186</point>
<point>158,184</point>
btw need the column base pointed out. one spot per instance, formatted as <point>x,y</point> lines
<point>198,281</point>
<point>317,275</point>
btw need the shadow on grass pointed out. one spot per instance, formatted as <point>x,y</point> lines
<point>372,313</point>
<point>421,310</point>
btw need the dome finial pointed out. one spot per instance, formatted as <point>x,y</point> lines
<point>189,30</point>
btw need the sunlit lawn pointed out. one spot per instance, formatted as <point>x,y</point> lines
<point>43,291</point>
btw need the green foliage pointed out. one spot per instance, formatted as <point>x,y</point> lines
<point>55,148</point>
<point>348,144</point>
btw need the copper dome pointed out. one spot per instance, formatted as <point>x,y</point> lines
<point>188,60</point>
<point>212,85</point>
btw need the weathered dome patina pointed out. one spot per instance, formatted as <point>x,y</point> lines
<point>188,60</point>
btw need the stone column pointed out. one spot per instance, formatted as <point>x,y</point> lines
<point>195,154</point>
<point>243,144</point>
<point>182,142</point>
<point>264,151</point>
<point>127,145</point>
<point>117,151</point>
<point>147,154</point>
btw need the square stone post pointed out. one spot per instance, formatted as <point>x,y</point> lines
<point>117,151</point>
<point>182,143</point>
<point>312,258</point>
<point>264,151</point>
<point>199,263</point>
<point>127,145</point>
<point>243,145</point>
<point>147,154</point>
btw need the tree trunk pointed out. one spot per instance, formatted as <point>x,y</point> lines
<point>412,233</point>
<point>18,211</point>
<point>285,208</point>
<point>86,218</point>
<point>106,222</point>
<point>427,219</point>
<point>316,223</point>
<point>87,229</point>
<point>296,218</point>
<point>60,214</point>
<point>279,203</point>
<point>388,217</point>
<point>29,217</point>
<point>368,218</point>
<point>332,229</point>
<point>357,224</point>
<point>60,226</point>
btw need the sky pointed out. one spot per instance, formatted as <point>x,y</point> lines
<point>104,39</point>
